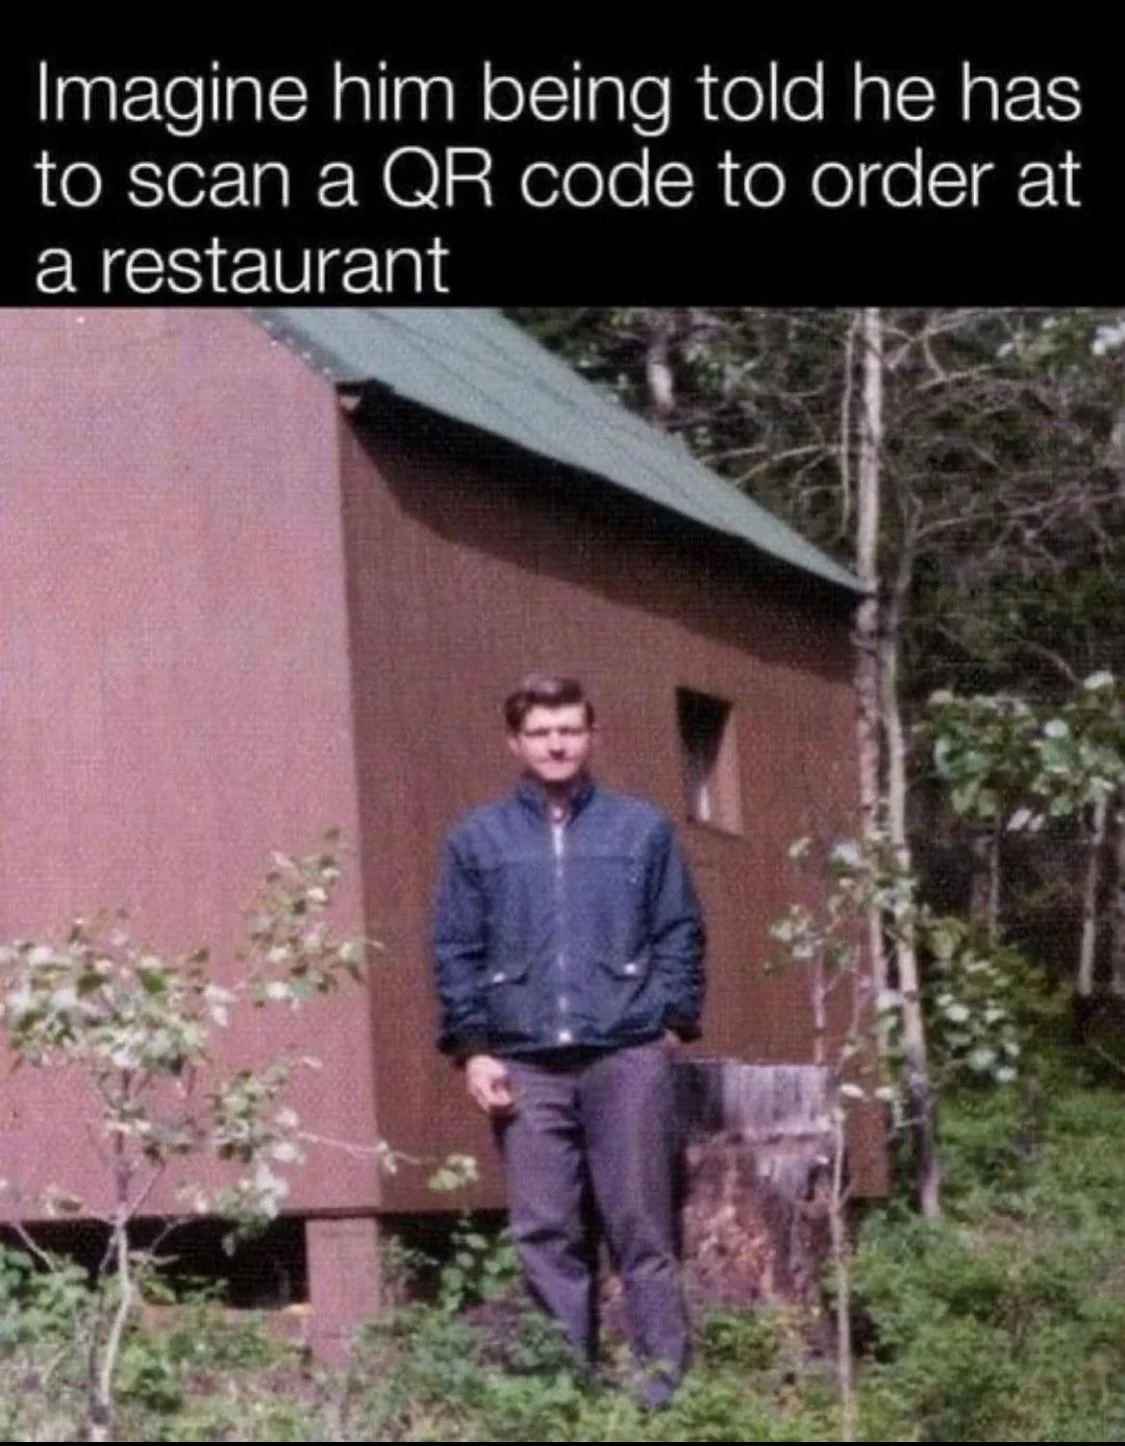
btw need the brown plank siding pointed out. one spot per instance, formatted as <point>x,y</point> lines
<point>174,684</point>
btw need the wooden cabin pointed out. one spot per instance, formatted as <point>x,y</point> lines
<point>268,572</point>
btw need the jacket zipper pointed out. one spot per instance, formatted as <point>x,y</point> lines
<point>558,843</point>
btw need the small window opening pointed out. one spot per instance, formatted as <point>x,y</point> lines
<point>710,760</point>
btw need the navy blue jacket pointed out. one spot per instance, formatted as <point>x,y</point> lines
<point>596,942</point>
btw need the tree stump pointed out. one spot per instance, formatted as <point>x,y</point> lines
<point>756,1180</point>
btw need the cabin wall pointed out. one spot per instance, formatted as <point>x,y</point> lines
<point>471,564</point>
<point>175,692</point>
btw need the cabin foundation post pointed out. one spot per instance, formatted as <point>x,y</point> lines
<point>345,1282</point>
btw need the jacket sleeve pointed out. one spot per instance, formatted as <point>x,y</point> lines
<point>460,939</point>
<point>676,934</point>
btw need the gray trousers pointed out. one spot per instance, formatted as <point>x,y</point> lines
<point>592,1144</point>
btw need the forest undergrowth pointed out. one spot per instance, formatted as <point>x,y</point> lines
<point>1005,1321</point>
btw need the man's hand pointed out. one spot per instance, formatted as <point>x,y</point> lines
<point>489,1085</point>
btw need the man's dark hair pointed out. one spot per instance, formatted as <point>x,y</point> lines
<point>544,690</point>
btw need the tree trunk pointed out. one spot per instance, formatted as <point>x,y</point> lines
<point>923,1104</point>
<point>759,1168</point>
<point>880,719</point>
<point>1088,947</point>
<point>1117,914</point>
<point>994,883</point>
<point>659,378</point>
<point>984,903</point>
<point>866,636</point>
<point>842,1267</point>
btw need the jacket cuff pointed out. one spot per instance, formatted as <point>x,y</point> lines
<point>465,1046</point>
<point>686,1029</point>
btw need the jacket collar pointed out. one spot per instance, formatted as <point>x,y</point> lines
<point>533,795</point>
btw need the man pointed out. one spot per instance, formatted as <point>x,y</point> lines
<point>569,956</point>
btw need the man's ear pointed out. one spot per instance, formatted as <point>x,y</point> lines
<point>513,743</point>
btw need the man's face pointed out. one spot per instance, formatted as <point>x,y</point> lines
<point>554,744</point>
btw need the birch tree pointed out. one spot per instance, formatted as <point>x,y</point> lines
<point>882,754</point>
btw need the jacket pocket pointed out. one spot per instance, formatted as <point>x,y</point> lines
<point>510,1001</point>
<point>629,970</point>
<point>625,999</point>
<point>512,971</point>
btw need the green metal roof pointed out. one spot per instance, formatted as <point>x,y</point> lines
<point>479,368</point>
